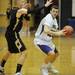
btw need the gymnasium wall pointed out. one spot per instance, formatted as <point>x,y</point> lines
<point>4,4</point>
<point>66,11</point>
<point>3,7</point>
<point>73,8</point>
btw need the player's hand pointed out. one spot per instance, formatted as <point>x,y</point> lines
<point>48,2</point>
<point>22,10</point>
<point>66,33</point>
<point>61,33</point>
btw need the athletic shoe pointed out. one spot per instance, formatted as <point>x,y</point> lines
<point>44,71</point>
<point>18,73</point>
<point>53,70</point>
<point>1,71</point>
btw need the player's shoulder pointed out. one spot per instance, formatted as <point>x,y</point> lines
<point>14,10</point>
<point>48,17</point>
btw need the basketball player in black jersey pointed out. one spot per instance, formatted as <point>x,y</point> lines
<point>14,42</point>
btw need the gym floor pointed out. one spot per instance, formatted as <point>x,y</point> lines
<point>65,63</point>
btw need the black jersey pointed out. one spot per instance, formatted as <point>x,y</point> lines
<point>13,21</point>
<point>14,41</point>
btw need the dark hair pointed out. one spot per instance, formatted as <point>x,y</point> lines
<point>54,6</point>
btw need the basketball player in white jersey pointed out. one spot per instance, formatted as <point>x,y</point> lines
<point>43,40</point>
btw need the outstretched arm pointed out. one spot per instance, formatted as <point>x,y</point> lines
<point>20,12</point>
<point>48,31</point>
<point>48,2</point>
<point>26,11</point>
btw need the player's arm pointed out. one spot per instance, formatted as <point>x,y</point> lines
<point>48,3</point>
<point>25,11</point>
<point>18,15</point>
<point>53,29</point>
<point>49,31</point>
<point>20,12</point>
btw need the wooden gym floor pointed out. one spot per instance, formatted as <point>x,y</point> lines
<point>65,63</point>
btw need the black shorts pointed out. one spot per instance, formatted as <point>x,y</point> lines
<point>14,45</point>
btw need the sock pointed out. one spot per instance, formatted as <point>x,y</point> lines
<point>3,63</point>
<point>49,65</point>
<point>19,66</point>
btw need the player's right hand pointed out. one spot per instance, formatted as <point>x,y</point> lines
<point>61,33</point>
<point>48,2</point>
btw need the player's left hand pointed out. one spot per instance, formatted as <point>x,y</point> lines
<point>48,2</point>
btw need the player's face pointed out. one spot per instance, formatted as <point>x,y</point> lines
<point>54,12</point>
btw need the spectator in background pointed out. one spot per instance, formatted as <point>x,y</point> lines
<point>40,14</point>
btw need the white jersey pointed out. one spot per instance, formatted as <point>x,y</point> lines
<point>40,36</point>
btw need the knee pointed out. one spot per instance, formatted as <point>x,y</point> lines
<point>8,53</point>
<point>24,53</point>
<point>51,53</point>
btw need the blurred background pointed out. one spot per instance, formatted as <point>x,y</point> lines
<point>66,46</point>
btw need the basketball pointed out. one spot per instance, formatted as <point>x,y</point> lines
<point>68,30</point>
